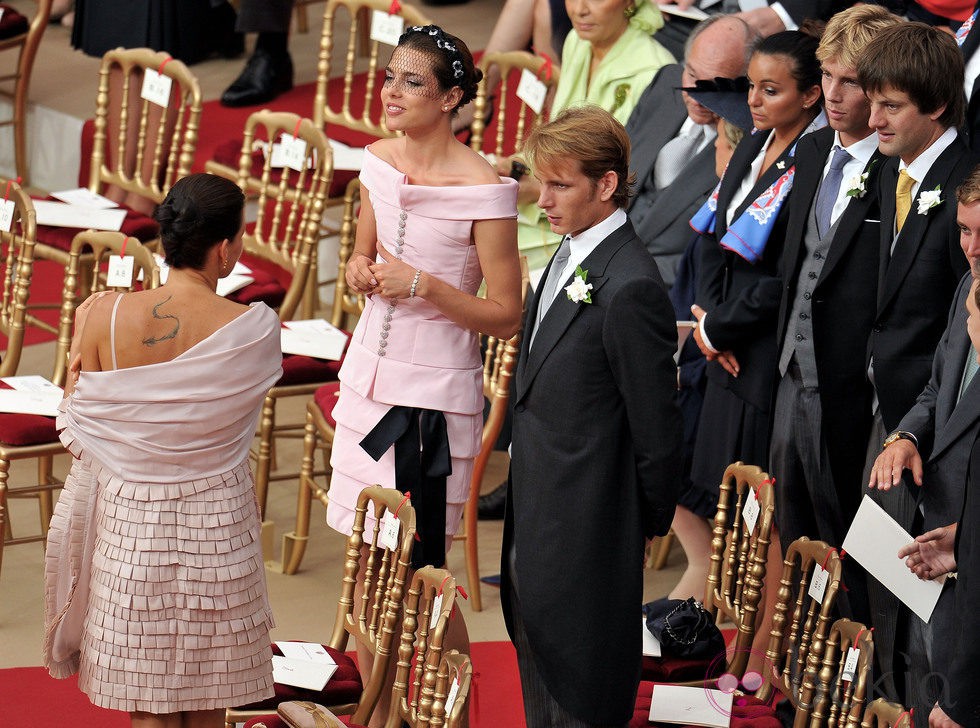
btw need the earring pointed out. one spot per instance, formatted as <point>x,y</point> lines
<point>445,108</point>
<point>630,11</point>
<point>806,106</point>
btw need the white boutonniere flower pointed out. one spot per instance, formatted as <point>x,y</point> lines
<point>929,199</point>
<point>855,187</point>
<point>781,164</point>
<point>578,290</point>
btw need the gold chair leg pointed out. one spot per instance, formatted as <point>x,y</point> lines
<point>267,422</point>
<point>4,520</point>
<point>294,543</point>
<point>663,551</point>
<point>472,557</point>
<point>45,498</point>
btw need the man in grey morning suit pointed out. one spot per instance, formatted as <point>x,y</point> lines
<point>594,469</point>
<point>671,136</point>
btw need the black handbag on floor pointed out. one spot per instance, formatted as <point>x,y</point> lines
<point>684,628</point>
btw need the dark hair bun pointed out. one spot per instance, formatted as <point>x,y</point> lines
<point>199,212</point>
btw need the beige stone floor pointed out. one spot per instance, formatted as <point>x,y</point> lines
<point>304,604</point>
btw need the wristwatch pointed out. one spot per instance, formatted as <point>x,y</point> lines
<point>899,435</point>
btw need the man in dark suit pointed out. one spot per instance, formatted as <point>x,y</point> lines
<point>916,112</point>
<point>822,414</point>
<point>594,470</point>
<point>939,431</point>
<point>968,38</point>
<point>671,136</point>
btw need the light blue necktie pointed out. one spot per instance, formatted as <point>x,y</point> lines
<point>830,188</point>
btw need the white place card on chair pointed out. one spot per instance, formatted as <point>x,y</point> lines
<point>6,215</point>
<point>156,88</point>
<point>301,673</point>
<point>85,197</point>
<point>651,645</point>
<point>531,91</point>
<point>690,706</point>
<point>313,337</point>
<point>61,214</point>
<point>873,540</point>
<point>30,395</point>
<point>386,28</point>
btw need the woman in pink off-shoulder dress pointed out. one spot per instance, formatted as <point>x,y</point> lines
<point>436,220</point>
<point>154,580</point>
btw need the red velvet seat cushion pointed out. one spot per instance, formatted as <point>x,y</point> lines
<point>343,687</point>
<point>21,430</point>
<point>136,225</point>
<point>26,429</point>
<point>747,711</point>
<point>298,369</point>
<point>678,669</point>
<point>12,23</point>
<point>325,398</point>
<point>269,284</point>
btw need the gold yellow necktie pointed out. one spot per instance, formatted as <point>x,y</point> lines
<point>903,198</point>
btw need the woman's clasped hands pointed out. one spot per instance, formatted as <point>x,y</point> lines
<point>392,278</point>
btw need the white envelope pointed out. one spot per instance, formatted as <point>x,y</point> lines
<point>310,651</point>
<point>345,157</point>
<point>301,673</point>
<point>313,337</point>
<point>60,214</point>
<point>85,197</point>
<point>31,403</point>
<point>651,645</point>
<point>873,540</point>
<point>690,706</point>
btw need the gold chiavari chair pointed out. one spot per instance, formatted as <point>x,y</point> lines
<point>284,238</point>
<point>372,620</point>
<point>501,104</point>
<point>414,698</point>
<point>139,147</point>
<point>28,436</point>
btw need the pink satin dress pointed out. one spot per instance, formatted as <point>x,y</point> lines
<point>406,352</point>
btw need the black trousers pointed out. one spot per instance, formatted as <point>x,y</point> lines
<point>264,16</point>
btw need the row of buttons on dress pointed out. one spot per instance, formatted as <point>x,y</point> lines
<point>399,246</point>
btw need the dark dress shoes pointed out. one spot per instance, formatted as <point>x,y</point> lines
<point>491,506</point>
<point>263,78</point>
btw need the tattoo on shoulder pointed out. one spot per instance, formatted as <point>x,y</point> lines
<point>151,340</point>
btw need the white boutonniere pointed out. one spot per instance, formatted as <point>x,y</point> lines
<point>856,185</point>
<point>781,164</point>
<point>929,199</point>
<point>578,290</point>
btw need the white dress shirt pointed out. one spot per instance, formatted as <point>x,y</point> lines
<point>920,167</point>
<point>860,152</point>
<point>580,246</point>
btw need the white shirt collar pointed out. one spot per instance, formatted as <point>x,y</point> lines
<point>862,150</point>
<point>923,163</point>
<point>581,246</point>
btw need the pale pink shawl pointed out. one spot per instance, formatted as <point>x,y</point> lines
<point>164,425</point>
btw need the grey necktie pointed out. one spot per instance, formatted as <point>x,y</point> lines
<point>553,280</point>
<point>969,371</point>
<point>674,156</point>
<point>830,188</point>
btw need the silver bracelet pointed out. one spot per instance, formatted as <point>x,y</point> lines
<point>415,283</point>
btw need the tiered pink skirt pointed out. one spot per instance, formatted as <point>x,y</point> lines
<point>178,614</point>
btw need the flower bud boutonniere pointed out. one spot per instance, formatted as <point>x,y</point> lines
<point>578,290</point>
<point>856,185</point>
<point>929,199</point>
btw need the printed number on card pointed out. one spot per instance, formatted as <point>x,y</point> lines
<point>436,611</point>
<point>389,532</point>
<point>386,28</point>
<point>451,698</point>
<point>818,584</point>
<point>156,88</point>
<point>532,91</point>
<point>850,664</point>
<point>290,152</point>
<point>6,215</point>
<point>750,511</point>
<point>120,273</point>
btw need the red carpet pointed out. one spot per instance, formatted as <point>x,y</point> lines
<point>29,698</point>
